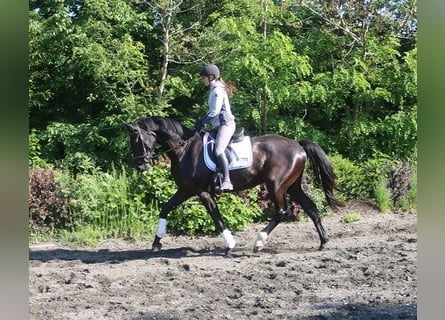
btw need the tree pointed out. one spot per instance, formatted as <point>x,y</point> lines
<point>342,73</point>
<point>87,73</point>
<point>259,58</point>
<point>176,26</point>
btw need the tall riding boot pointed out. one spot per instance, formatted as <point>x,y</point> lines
<point>224,167</point>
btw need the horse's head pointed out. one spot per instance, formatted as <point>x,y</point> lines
<point>142,143</point>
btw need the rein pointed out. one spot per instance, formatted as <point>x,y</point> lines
<point>181,144</point>
<point>156,155</point>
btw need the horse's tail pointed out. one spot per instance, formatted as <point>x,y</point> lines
<point>323,171</point>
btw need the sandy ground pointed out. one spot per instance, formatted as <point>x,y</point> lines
<point>367,271</point>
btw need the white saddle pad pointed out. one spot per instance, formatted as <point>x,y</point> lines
<point>240,153</point>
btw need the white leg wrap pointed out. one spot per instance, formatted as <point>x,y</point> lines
<point>162,228</point>
<point>260,239</point>
<point>229,240</point>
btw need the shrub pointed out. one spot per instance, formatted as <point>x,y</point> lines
<point>112,203</point>
<point>48,205</point>
<point>350,178</point>
<point>403,183</point>
<point>382,195</point>
<point>358,180</point>
<point>399,180</point>
<point>35,156</point>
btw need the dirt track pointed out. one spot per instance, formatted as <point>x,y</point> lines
<point>367,271</point>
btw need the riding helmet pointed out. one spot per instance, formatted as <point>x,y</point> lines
<point>209,69</point>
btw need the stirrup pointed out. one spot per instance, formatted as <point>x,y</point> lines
<point>226,186</point>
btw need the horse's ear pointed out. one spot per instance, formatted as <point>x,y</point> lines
<point>129,126</point>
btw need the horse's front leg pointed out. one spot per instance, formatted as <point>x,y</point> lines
<point>178,198</point>
<point>210,204</point>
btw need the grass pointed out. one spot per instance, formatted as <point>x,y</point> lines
<point>383,197</point>
<point>352,217</point>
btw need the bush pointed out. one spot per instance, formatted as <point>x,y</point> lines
<point>391,184</point>
<point>35,155</point>
<point>350,178</point>
<point>403,183</point>
<point>89,207</point>
<point>113,203</point>
<point>358,180</point>
<point>48,205</point>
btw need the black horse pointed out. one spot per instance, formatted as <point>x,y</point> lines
<point>276,161</point>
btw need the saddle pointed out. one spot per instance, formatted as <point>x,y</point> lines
<point>238,152</point>
<point>238,136</point>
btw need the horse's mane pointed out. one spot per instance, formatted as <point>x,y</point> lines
<point>169,126</point>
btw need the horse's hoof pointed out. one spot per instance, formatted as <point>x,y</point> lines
<point>228,253</point>
<point>323,242</point>
<point>258,245</point>
<point>257,248</point>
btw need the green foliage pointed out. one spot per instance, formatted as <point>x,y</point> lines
<point>352,217</point>
<point>374,169</point>
<point>255,64</point>
<point>86,236</point>
<point>315,192</point>
<point>158,184</point>
<point>350,178</point>
<point>35,154</point>
<point>382,196</point>
<point>357,180</point>
<point>395,135</point>
<point>350,84</point>
<point>87,73</point>
<point>118,204</point>
<point>110,202</point>
<point>192,218</point>
<point>408,202</point>
<point>391,184</point>
<point>89,207</point>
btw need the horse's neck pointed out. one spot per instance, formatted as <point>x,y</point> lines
<point>175,147</point>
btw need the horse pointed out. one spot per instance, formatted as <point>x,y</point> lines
<point>277,161</point>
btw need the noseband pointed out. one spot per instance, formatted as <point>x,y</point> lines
<point>145,154</point>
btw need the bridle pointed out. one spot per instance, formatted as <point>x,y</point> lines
<point>145,155</point>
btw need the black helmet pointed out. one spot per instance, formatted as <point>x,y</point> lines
<point>209,69</point>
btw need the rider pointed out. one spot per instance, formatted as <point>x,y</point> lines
<point>220,116</point>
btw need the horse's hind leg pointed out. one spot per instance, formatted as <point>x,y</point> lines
<point>277,194</point>
<point>310,208</point>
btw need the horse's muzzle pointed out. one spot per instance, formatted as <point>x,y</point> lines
<point>142,167</point>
